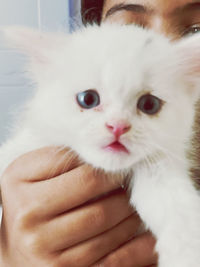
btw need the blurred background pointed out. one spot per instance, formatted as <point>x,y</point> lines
<point>46,15</point>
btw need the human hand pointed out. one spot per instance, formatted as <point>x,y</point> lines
<point>138,252</point>
<point>50,220</point>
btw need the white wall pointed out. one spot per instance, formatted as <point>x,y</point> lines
<point>42,14</point>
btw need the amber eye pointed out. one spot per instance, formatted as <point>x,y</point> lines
<point>149,104</point>
<point>88,99</point>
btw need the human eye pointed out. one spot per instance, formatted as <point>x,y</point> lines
<point>191,30</point>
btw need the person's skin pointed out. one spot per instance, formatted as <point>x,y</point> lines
<point>50,220</point>
<point>175,19</point>
<point>53,216</point>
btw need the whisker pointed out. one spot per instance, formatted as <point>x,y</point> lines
<point>70,157</point>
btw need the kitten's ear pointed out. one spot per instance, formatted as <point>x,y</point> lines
<point>32,42</point>
<point>187,53</point>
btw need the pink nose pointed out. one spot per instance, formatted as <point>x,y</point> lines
<point>118,128</point>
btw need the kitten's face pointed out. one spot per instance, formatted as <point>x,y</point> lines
<point>111,97</point>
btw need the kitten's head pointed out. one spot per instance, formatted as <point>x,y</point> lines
<point>115,94</point>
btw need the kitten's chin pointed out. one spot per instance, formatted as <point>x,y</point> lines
<point>107,160</point>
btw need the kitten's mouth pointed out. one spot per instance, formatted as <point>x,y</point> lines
<point>116,147</point>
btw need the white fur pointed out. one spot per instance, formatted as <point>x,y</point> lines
<point>122,63</point>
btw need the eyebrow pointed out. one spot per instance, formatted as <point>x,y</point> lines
<point>127,7</point>
<point>141,9</point>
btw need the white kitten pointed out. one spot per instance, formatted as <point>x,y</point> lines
<point>123,98</point>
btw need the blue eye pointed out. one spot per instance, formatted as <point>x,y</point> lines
<point>88,99</point>
<point>149,104</point>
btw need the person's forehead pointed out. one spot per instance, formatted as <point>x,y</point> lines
<point>164,6</point>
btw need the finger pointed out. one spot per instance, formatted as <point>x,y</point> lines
<point>88,221</point>
<point>138,252</point>
<point>42,164</point>
<point>33,166</point>
<point>52,197</point>
<point>94,249</point>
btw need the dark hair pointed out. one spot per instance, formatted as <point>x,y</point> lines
<point>91,11</point>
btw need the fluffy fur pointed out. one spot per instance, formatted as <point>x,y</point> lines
<point>122,63</point>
